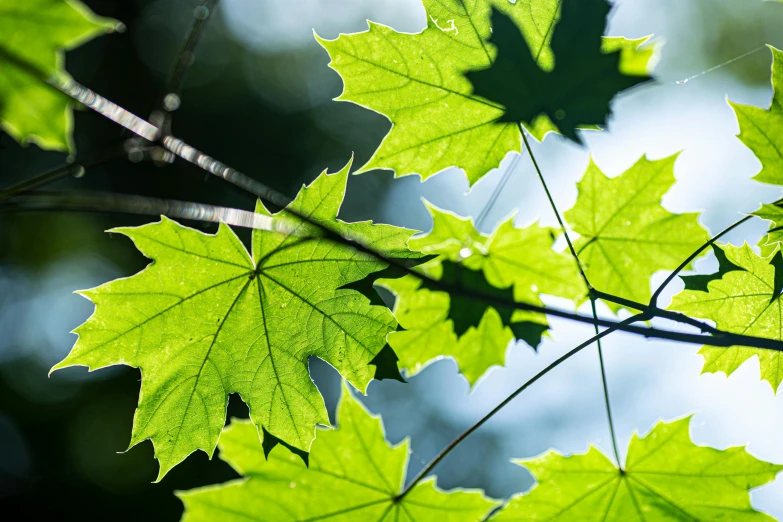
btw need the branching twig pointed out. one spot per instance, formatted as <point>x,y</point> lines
<point>465,434</point>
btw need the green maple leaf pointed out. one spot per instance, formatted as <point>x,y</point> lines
<point>774,237</point>
<point>627,235</point>
<point>761,130</point>
<point>206,319</point>
<point>577,92</point>
<point>743,298</point>
<point>37,32</point>
<point>354,475</point>
<point>666,478</point>
<point>514,263</point>
<point>417,81</point>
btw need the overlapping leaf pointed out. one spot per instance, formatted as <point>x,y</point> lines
<point>37,32</point>
<point>354,476</point>
<point>761,130</point>
<point>742,297</point>
<point>666,478</point>
<point>627,235</point>
<point>206,319</point>
<point>520,260</point>
<point>577,92</point>
<point>417,81</point>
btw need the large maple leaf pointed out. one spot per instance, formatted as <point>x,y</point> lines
<point>417,81</point>
<point>354,476</point>
<point>666,478</point>
<point>207,319</point>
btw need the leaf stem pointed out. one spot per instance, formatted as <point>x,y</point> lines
<point>465,434</point>
<point>591,294</point>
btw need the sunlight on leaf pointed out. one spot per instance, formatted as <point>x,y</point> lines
<point>742,299</point>
<point>417,81</point>
<point>666,478</point>
<point>37,32</point>
<point>354,476</point>
<point>761,130</point>
<point>206,319</point>
<point>627,235</point>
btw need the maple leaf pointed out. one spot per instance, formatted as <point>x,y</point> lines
<point>36,32</point>
<point>742,297</point>
<point>666,478</point>
<point>577,92</point>
<point>511,263</point>
<point>417,81</point>
<point>627,235</point>
<point>207,319</point>
<point>761,130</point>
<point>354,475</point>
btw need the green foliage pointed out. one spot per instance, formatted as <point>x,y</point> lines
<point>417,81</point>
<point>627,235</point>
<point>206,319</point>
<point>577,92</point>
<point>521,259</point>
<point>666,478</point>
<point>743,299</point>
<point>36,32</point>
<point>761,130</point>
<point>354,475</point>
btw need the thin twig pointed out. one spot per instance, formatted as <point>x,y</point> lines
<point>465,434</point>
<point>146,206</point>
<point>590,290</point>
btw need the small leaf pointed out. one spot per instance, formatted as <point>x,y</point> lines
<point>37,32</point>
<point>512,263</point>
<point>701,282</point>
<point>745,300</point>
<point>207,319</point>
<point>627,235</point>
<point>761,130</point>
<point>354,476</point>
<point>666,478</point>
<point>577,92</point>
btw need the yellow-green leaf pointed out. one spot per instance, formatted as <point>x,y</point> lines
<point>761,130</point>
<point>353,476</point>
<point>627,235</point>
<point>667,478</point>
<point>741,298</point>
<point>206,319</point>
<point>417,81</point>
<point>37,32</point>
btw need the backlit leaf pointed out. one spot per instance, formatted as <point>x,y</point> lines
<point>743,300</point>
<point>354,476</point>
<point>667,478</point>
<point>417,81</point>
<point>37,32</point>
<point>627,235</point>
<point>206,319</point>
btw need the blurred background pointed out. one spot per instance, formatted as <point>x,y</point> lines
<point>259,96</point>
